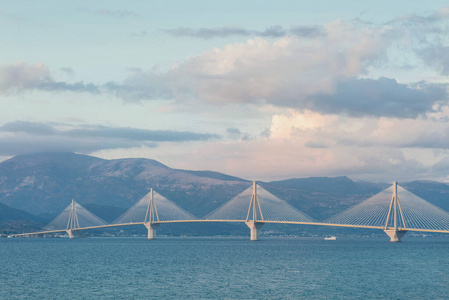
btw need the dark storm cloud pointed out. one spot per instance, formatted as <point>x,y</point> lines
<point>382,97</point>
<point>27,137</point>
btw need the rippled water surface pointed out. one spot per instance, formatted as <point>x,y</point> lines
<point>224,268</point>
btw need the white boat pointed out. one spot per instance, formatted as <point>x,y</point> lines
<point>330,238</point>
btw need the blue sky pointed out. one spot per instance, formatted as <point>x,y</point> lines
<point>262,90</point>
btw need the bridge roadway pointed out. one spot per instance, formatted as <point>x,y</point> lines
<point>229,221</point>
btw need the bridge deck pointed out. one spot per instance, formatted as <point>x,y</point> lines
<point>229,221</point>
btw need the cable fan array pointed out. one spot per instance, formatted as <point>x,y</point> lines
<point>272,208</point>
<point>415,212</point>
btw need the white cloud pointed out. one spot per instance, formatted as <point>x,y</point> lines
<point>303,144</point>
<point>326,72</point>
<point>280,72</point>
<point>19,77</point>
<point>321,73</point>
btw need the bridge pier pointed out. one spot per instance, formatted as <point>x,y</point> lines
<point>255,229</point>
<point>70,233</point>
<point>395,235</point>
<point>151,230</point>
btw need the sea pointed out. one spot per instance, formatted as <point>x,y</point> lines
<point>224,268</point>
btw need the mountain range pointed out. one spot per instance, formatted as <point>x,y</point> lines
<point>36,187</point>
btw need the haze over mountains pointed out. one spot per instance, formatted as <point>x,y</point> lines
<point>37,187</point>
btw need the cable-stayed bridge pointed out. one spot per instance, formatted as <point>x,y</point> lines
<point>394,210</point>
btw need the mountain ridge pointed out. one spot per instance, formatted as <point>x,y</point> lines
<point>44,184</point>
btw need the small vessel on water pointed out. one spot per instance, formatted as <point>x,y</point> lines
<point>330,238</point>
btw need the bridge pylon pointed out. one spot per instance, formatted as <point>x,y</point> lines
<point>72,222</point>
<point>151,217</point>
<point>254,216</point>
<point>395,221</point>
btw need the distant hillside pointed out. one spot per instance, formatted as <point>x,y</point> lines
<point>12,214</point>
<point>436,193</point>
<point>16,220</point>
<point>338,185</point>
<point>44,184</point>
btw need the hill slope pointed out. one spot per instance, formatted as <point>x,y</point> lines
<point>44,184</point>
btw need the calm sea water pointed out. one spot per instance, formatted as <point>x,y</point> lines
<point>224,268</point>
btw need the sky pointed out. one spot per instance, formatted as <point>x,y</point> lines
<point>264,90</point>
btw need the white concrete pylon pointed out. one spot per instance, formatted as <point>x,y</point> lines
<point>72,221</point>
<point>73,217</point>
<point>254,212</point>
<point>151,217</point>
<point>395,233</point>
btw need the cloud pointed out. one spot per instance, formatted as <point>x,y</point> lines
<point>303,144</point>
<point>140,134</point>
<point>140,34</point>
<point>321,74</point>
<point>414,19</point>
<point>436,56</point>
<point>307,31</point>
<point>274,159</point>
<point>20,144</point>
<point>425,36</point>
<point>68,87</point>
<point>19,77</point>
<point>116,13</point>
<point>68,71</point>
<point>236,134</point>
<point>29,127</point>
<point>233,133</point>
<point>315,144</point>
<point>381,97</point>
<point>275,31</point>
<point>208,33</point>
<point>141,85</point>
<point>327,72</point>
<point>315,130</point>
<point>288,72</point>
<point>27,137</point>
